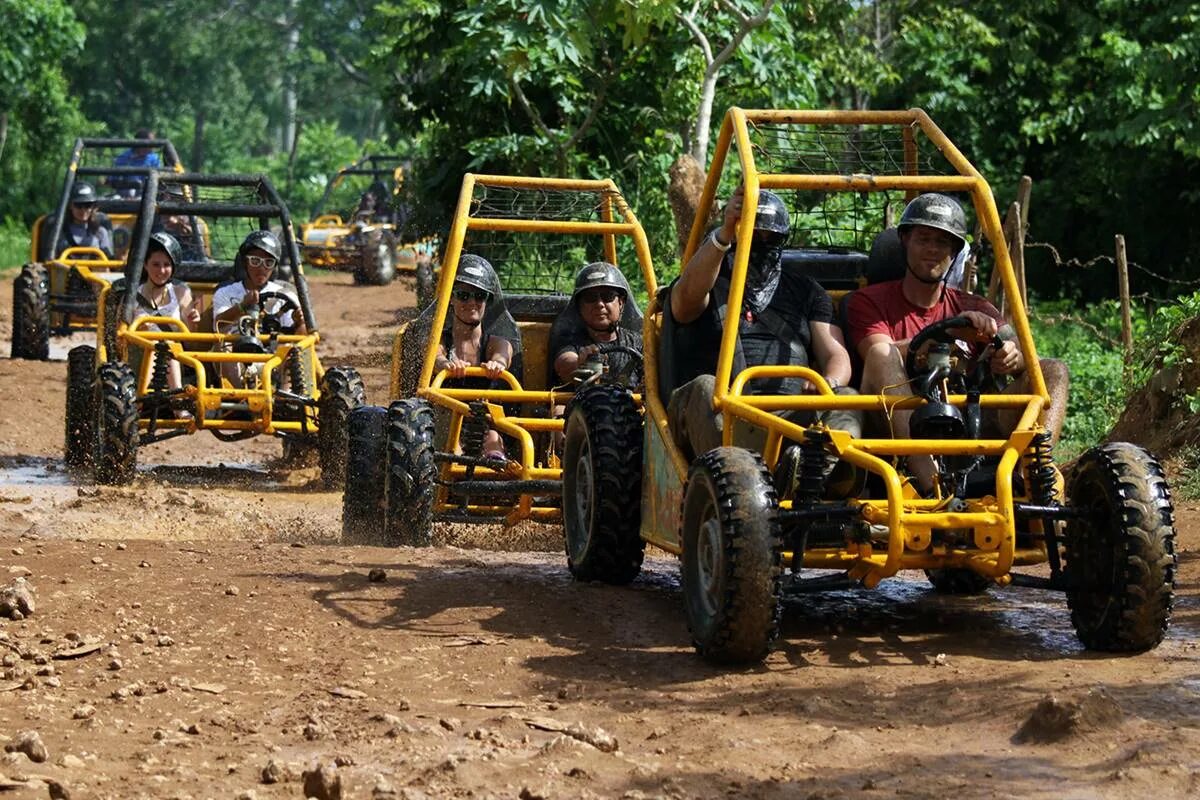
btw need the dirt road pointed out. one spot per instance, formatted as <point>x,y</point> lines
<point>202,632</point>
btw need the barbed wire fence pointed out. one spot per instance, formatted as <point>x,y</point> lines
<point>1016,229</point>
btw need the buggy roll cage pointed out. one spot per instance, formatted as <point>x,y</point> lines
<point>373,165</point>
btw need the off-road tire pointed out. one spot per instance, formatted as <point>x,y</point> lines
<point>112,314</point>
<point>31,313</point>
<point>342,391</point>
<point>411,471</point>
<point>116,424</point>
<point>426,283</point>
<point>602,486</point>
<point>366,471</point>
<point>731,572</point>
<point>80,427</point>
<point>378,262</point>
<point>1120,557</point>
<point>957,580</point>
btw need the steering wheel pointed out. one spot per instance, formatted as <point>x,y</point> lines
<point>941,333</point>
<point>632,367</point>
<point>286,304</point>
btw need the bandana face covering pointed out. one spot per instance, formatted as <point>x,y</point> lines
<point>762,276</point>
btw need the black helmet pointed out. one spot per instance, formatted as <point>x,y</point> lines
<point>261,240</point>
<point>83,193</point>
<point>476,271</point>
<point>168,244</point>
<point>599,273</point>
<point>772,215</point>
<point>936,211</point>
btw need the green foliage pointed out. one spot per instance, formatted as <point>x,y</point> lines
<point>14,244</point>
<point>1088,341</point>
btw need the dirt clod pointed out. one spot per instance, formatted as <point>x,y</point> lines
<point>377,575</point>
<point>1055,719</point>
<point>322,782</point>
<point>29,743</point>
<point>17,601</point>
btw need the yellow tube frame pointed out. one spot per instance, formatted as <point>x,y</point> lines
<point>908,520</point>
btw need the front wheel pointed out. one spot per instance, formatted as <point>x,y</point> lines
<point>31,313</point>
<point>1120,554</point>
<point>602,486</point>
<point>342,391</point>
<point>116,424</point>
<point>366,460</point>
<point>80,437</point>
<point>378,261</point>
<point>731,556</point>
<point>411,471</point>
<point>426,283</point>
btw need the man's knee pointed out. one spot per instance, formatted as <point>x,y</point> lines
<point>695,426</point>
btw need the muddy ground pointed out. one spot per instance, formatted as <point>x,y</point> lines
<point>202,632</point>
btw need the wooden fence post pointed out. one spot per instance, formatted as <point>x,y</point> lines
<point>1123,288</point>
<point>1016,250</point>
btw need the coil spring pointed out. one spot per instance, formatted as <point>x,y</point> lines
<point>296,374</point>
<point>810,483</point>
<point>474,427</point>
<point>162,365</point>
<point>1041,470</point>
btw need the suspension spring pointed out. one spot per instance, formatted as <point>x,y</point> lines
<point>474,428</point>
<point>296,373</point>
<point>162,366</point>
<point>810,483</point>
<point>1040,463</point>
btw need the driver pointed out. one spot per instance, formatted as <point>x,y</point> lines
<point>787,319</point>
<point>883,317</point>
<point>255,262</point>
<point>84,226</point>
<point>593,318</point>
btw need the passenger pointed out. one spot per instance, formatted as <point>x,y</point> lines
<point>186,228</point>
<point>83,227</point>
<point>467,344</point>
<point>598,307</point>
<point>131,185</point>
<point>160,296</point>
<point>883,318</point>
<point>787,319</point>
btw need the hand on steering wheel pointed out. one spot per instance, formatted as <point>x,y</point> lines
<point>286,304</point>
<point>945,332</point>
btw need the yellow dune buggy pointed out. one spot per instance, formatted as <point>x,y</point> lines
<point>420,460</point>
<point>55,295</point>
<point>998,504</point>
<point>366,238</point>
<point>249,377</point>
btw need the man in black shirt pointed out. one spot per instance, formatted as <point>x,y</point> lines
<point>787,319</point>
<point>600,312</point>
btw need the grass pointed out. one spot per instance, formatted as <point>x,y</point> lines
<point>14,245</point>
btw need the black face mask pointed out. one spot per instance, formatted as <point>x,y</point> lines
<point>762,276</point>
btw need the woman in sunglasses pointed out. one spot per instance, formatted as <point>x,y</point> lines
<point>466,343</point>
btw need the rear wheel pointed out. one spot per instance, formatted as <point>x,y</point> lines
<point>81,407</point>
<point>341,392</point>
<point>31,313</point>
<point>116,424</point>
<point>1120,555</point>
<point>378,262</point>
<point>410,473</point>
<point>366,470</point>
<point>426,283</point>
<point>602,486</point>
<point>731,556</point>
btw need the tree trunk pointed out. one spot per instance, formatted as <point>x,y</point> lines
<point>708,93</point>
<point>197,162</point>
<point>288,140</point>
<point>687,184</point>
<point>3,133</point>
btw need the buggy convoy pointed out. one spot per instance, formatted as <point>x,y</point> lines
<point>55,295</point>
<point>406,470</point>
<point>247,378</point>
<point>366,238</point>
<point>999,504</point>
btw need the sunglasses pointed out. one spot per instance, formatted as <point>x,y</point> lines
<point>466,295</point>
<point>85,206</point>
<point>261,261</point>
<point>599,295</point>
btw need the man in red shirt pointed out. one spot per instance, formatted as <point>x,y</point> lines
<point>885,316</point>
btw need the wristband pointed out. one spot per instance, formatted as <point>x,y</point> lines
<point>712,237</point>
<point>834,383</point>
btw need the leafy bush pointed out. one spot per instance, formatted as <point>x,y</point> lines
<point>14,244</point>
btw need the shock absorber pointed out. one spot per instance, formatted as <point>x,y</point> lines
<point>162,367</point>
<point>1040,465</point>
<point>474,428</point>
<point>810,480</point>
<point>297,375</point>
